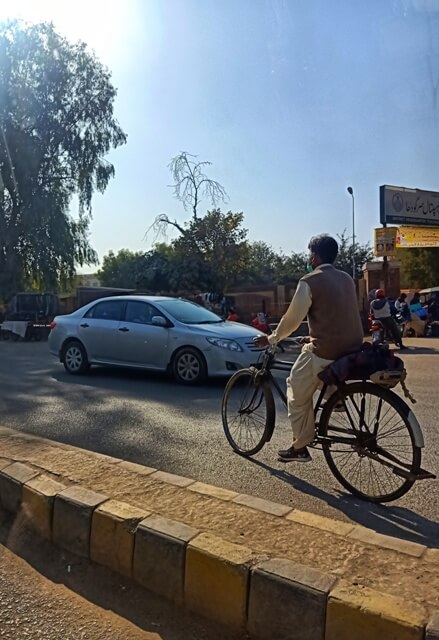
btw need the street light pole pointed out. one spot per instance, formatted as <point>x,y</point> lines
<point>351,192</point>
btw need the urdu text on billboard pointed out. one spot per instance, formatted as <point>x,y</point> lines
<point>399,205</point>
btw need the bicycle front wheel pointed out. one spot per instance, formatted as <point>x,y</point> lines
<point>370,446</point>
<point>248,412</point>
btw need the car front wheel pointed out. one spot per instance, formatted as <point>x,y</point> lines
<point>189,367</point>
<point>75,358</point>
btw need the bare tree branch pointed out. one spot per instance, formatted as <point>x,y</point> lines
<point>160,226</point>
<point>190,183</point>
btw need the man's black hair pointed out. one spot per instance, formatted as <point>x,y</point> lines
<point>325,247</point>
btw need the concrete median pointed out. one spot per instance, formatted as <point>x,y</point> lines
<point>113,532</point>
<point>38,502</point>
<point>216,580</point>
<point>72,518</point>
<point>288,600</point>
<point>159,556</point>
<point>242,586</point>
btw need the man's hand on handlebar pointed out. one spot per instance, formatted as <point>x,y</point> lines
<point>261,342</point>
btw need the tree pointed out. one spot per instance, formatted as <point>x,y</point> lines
<point>261,265</point>
<point>191,183</point>
<point>122,269</point>
<point>291,267</point>
<point>216,247</point>
<point>420,268</point>
<point>363,253</point>
<point>266,266</point>
<point>56,126</point>
<point>157,269</point>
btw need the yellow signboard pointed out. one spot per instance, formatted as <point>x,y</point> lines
<point>412,237</point>
<point>385,241</point>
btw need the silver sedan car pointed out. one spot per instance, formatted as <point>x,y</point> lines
<point>152,332</point>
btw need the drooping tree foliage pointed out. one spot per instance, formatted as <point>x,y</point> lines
<point>56,127</point>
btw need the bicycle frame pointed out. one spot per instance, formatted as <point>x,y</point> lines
<point>355,433</point>
<point>269,364</point>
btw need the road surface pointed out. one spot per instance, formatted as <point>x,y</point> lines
<point>149,419</point>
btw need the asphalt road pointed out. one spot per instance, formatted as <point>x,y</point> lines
<point>149,419</point>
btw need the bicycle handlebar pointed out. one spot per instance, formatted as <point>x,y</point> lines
<point>271,348</point>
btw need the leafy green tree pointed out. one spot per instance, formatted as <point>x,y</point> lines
<point>363,253</point>
<point>262,263</point>
<point>122,269</point>
<point>290,268</point>
<point>217,246</point>
<point>420,267</point>
<point>266,266</point>
<point>56,127</point>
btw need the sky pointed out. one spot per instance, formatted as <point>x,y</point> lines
<point>291,100</point>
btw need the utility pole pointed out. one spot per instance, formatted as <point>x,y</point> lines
<point>351,192</point>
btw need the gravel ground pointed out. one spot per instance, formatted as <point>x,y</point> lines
<point>47,594</point>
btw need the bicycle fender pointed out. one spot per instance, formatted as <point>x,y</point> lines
<point>416,427</point>
<point>417,431</point>
<point>270,431</point>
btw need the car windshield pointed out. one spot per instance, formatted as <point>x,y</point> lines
<point>189,312</point>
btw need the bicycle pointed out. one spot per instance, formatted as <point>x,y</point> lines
<point>363,429</point>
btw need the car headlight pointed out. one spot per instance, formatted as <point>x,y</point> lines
<point>223,343</point>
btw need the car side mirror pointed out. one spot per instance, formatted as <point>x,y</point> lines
<point>159,321</point>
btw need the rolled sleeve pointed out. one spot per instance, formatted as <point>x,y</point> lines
<point>295,314</point>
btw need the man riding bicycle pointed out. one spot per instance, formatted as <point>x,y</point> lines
<point>328,297</point>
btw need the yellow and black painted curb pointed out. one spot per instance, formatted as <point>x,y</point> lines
<point>269,598</point>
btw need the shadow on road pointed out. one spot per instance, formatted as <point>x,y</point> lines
<point>418,351</point>
<point>123,379</point>
<point>399,522</point>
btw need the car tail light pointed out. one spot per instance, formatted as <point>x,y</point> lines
<point>52,325</point>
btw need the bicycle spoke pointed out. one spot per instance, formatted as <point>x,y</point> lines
<point>381,440</point>
<point>244,410</point>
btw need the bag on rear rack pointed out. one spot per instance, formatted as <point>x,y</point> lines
<point>373,362</point>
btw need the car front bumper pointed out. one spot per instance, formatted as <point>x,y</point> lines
<point>222,362</point>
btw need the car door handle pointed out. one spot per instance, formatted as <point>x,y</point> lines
<point>84,325</point>
<point>124,329</point>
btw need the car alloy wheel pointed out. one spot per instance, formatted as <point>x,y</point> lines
<point>73,358</point>
<point>188,366</point>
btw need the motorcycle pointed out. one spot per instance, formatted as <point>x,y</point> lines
<point>378,331</point>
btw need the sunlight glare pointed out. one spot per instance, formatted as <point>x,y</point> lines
<point>105,25</point>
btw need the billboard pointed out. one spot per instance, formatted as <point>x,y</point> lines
<point>399,205</point>
<point>385,241</point>
<point>412,237</point>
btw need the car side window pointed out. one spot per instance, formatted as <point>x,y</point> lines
<point>140,312</point>
<point>108,310</point>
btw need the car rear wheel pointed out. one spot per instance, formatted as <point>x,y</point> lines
<point>189,366</point>
<point>74,358</point>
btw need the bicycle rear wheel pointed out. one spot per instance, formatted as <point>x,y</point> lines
<point>248,412</point>
<point>373,451</point>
